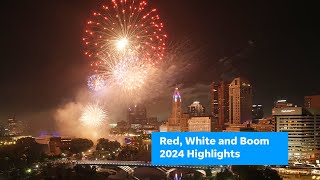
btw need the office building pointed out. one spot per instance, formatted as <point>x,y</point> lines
<point>178,121</point>
<point>196,109</point>
<point>14,127</point>
<point>220,105</point>
<point>303,127</point>
<point>214,101</point>
<point>223,103</point>
<point>200,124</point>
<point>312,102</point>
<point>240,101</point>
<point>176,113</point>
<point>257,112</point>
<point>137,116</point>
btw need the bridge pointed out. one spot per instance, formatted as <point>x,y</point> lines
<point>129,166</point>
<point>136,163</point>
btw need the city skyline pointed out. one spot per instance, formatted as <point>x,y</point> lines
<point>153,89</point>
<point>49,71</point>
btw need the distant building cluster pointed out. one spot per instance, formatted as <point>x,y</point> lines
<point>233,111</point>
<point>12,127</point>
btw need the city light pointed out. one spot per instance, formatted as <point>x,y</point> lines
<point>28,171</point>
<point>135,83</point>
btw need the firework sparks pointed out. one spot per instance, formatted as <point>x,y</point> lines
<point>93,116</point>
<point>125,41</point>
<point>125,26</point>
<point>96,82</point>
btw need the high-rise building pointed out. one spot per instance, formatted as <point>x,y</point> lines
<point>257,112</point>
<point>178,121</point>
<point>312,101</point>
<point>223,103</point>
<point>214,101</point>
<point>14,127</point>
<point>220,104</point>
<point>303,127</point>
<point>176,108</point>
<point>137,115</point>
<point>240,101</point>
<point>196,109</point>
<point>200,124</point>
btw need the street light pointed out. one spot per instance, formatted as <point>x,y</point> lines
<point>28,171</point>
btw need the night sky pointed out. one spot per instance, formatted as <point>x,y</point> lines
<point>274,44</point>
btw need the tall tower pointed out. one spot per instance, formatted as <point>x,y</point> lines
<point>223,103</point>
<point>240,101</point>
<point>137,115</point>
<point>14,127</point>
<point>220,104</point>
<point>214,101</point>
<point>176,108</point>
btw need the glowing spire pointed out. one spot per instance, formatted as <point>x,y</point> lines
<point>176,95</point>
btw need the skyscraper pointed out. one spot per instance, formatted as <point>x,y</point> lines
<point>214,101</point>
<point>137,115</point>
<point>220,104</point>
<point>257,112</point>
<point>223,103</point>
<point>303,128</point>
<point>178,121</point>
<point>176,108</point>
<point>240,101</point>
<point>196,109</point>
<point>14,127</point>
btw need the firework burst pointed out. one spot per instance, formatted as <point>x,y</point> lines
<point>96,82</point>
<point>125,27</point>
<point>93,116</point>
<point>126,41</point>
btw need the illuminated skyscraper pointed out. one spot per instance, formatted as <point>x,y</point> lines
<point>176,107</point>
<point>178,121</point>
<point>303,128</point>
<point>240,101</point>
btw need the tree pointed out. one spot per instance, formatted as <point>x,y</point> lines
<point>107,145</point>
<point>79,145</point>
<point>128,153</point>
<point>226,174</point>
<point>208,173</point>
<point>269,173</point>
<point>255,172</point>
